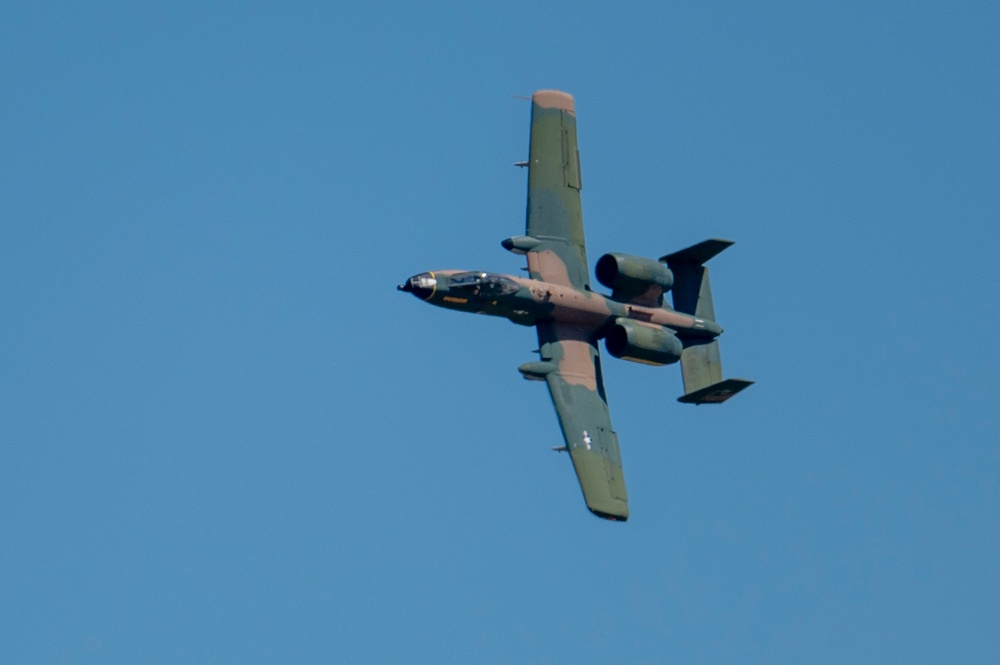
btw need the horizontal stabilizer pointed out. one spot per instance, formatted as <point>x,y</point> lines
<point>716,393</point>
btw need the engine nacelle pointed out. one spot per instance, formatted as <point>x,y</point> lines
<point>643,343</point>
<point>634,278</point>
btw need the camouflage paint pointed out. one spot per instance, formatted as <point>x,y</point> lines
<point>571,318</point>
<point>547,301</point>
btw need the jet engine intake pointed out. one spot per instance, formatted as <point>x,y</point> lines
<point>643,343</point>
<point>634,278</point>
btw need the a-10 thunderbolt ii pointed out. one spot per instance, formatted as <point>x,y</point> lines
<point>570,318</point>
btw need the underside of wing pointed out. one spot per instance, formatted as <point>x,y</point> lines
<point>554,216</point>
<point>577,391</point>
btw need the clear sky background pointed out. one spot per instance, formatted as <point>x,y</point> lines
<point>226,438</point>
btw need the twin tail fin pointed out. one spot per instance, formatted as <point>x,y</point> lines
<point>701,363</point>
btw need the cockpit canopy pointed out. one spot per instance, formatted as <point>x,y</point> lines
<point>482,284</point>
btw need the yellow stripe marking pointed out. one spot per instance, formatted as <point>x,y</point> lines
<point>433,288</point>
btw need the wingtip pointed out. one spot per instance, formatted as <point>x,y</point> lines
<point>613,510</point>
<point>611,517</point>
<point>555,99</point>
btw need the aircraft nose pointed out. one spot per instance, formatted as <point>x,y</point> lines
<point>422,285</point>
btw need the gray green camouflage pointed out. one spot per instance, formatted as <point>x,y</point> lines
<point>570,318</point>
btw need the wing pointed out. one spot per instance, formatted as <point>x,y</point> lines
<point>554,215</point>
<point>577,391</point>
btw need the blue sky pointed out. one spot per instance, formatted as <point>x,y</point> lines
<point>226,438</point>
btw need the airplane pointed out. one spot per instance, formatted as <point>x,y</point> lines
<point>570,318</point>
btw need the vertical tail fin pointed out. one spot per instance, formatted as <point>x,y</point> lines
<point>701,363</point>
<point>691,291</point>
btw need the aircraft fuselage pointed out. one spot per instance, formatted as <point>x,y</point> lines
<point>528,301</point>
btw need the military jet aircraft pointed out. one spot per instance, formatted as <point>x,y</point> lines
<point>570,318</point>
